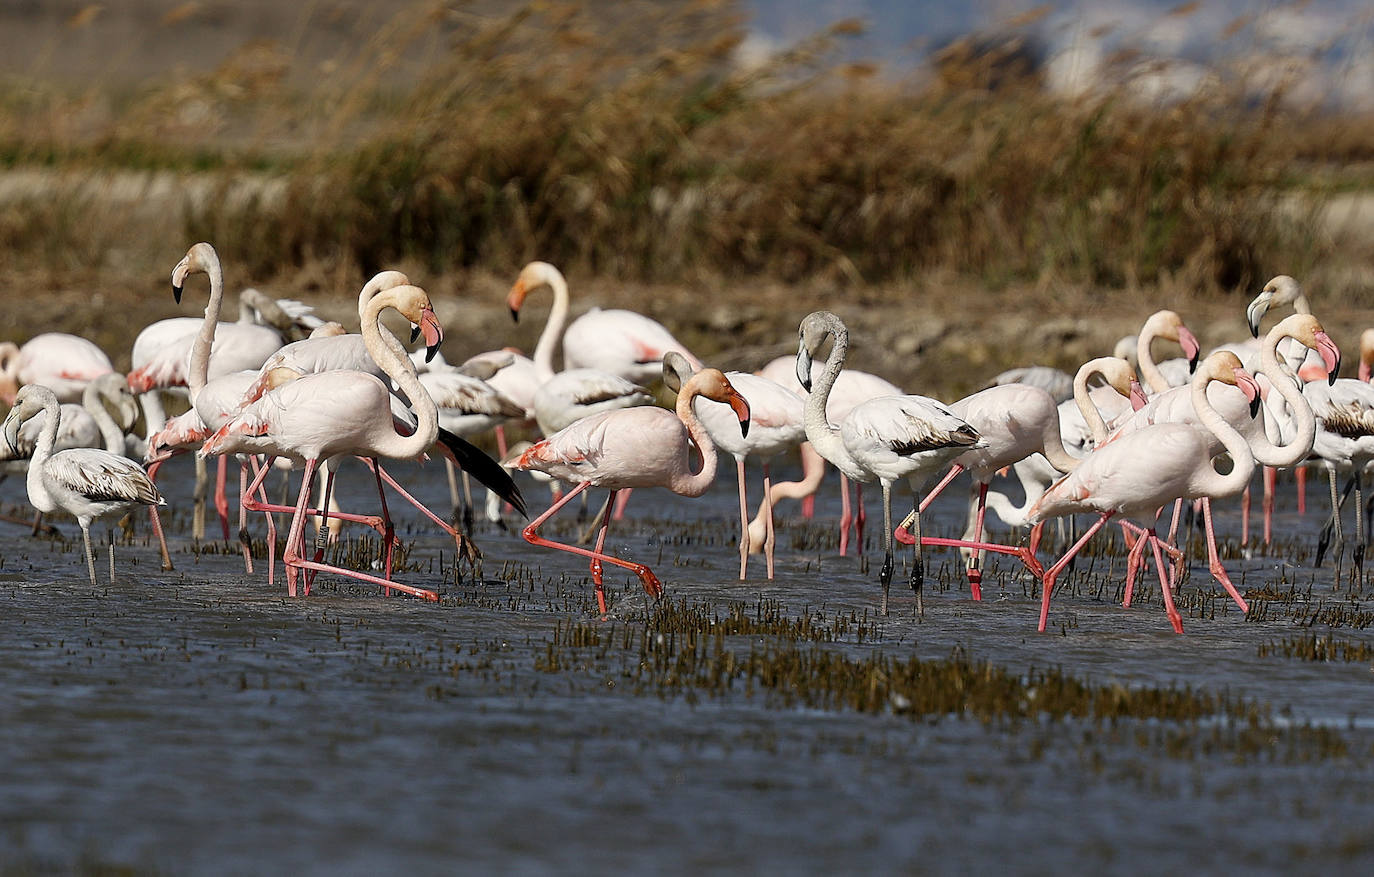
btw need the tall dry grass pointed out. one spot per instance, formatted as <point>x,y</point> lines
<point>632,144</point>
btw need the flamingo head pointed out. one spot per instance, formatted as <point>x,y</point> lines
<point>1169,326</point>
<point>413,303</point>
<point>1137,395</point>
<point>676,371</point>
<point>1282,290</point>
<point>1366,354</point>
<point>198,259</point>
<point>30,400</point>
<point>812,332</point>
<point>714,385</point>
<point>1224,366</point>
<point>114,388</point>
<point>1308,332</point>
<point>533,276</point>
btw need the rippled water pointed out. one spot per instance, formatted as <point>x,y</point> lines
<point>200,721</point>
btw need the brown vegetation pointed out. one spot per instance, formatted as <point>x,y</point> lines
<point>632,146</point>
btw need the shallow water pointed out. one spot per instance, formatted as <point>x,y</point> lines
<point>201,721</point>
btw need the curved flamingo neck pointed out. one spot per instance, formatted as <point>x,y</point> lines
<point>42,450</point>
<point>824,437</point>
<point>1082,397</point>
<point>1207,482</point>
<point>200,351</point>
<point>92,399</point>
<point>401,370</point>
<point>1149,371</point>
<point>553,328</point>
<point>683,481</point>
<point>1265,451</point>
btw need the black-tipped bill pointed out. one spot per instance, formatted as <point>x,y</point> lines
<point>804,367</point>
<point>414,333</point>
<point>176,293</point>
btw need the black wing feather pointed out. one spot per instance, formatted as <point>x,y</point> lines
<point>486,470</point>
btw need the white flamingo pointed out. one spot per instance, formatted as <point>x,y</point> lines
<point>87,483</point>
<point>887,439</point>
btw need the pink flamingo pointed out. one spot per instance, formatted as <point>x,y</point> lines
<point>633,447</point>
<point>884,439</point>
<point>775,428</point>
<point>1169,326</point>
<point>1016,421</point>
<point>1176,406</point>
<point>1280,291</point>
<point>1140,472</point>
<point>63,363</point>
<point>325,415</point>
<point>620,342</point>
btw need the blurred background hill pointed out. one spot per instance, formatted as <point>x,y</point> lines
<point>999,182</point>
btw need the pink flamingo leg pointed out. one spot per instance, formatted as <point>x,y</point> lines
<point>953,473</point>
<point>222,501</point>
<point>1173,522</point>
<point>462,543</point>
<point>743,520</point>
<point>1133,559</point>
<point>1245,516</point>
<point>1036,532</point>
<point>1169,609</point>
<point>860,517</point>
<point>295,542</point>
<point>770,539</point>
<point>975,573</point>
<point>1053,572</point>
<point>1271,480</point>
<point>156,521</point>
<point>846,515</point>
<point>600,549</point>
<point>622,500</point>
<point>531,535</point>
<point>246,497</point>
<point>1214,560</point>
<point>1301,475</point>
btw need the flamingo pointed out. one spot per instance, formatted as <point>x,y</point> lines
<point>1345,443</point>
<point>1169,326</point>
<point>88,425</point>
<point>87,483</point>
<point>1176,406</point>
<point>1016,421</point>
<point>1140,472</point>
<point>623,343</point>
<point>851,388</point>
<point>318,417</point>
<point>775,428</point>
<point>629,448</point>
<point>581,390</point>
<point>887,438</point>
<point>63,363</point>
<point>1280,291</point>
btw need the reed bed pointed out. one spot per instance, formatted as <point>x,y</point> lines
<point>635,145</point>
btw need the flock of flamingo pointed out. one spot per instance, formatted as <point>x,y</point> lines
<point>1125,438</point>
